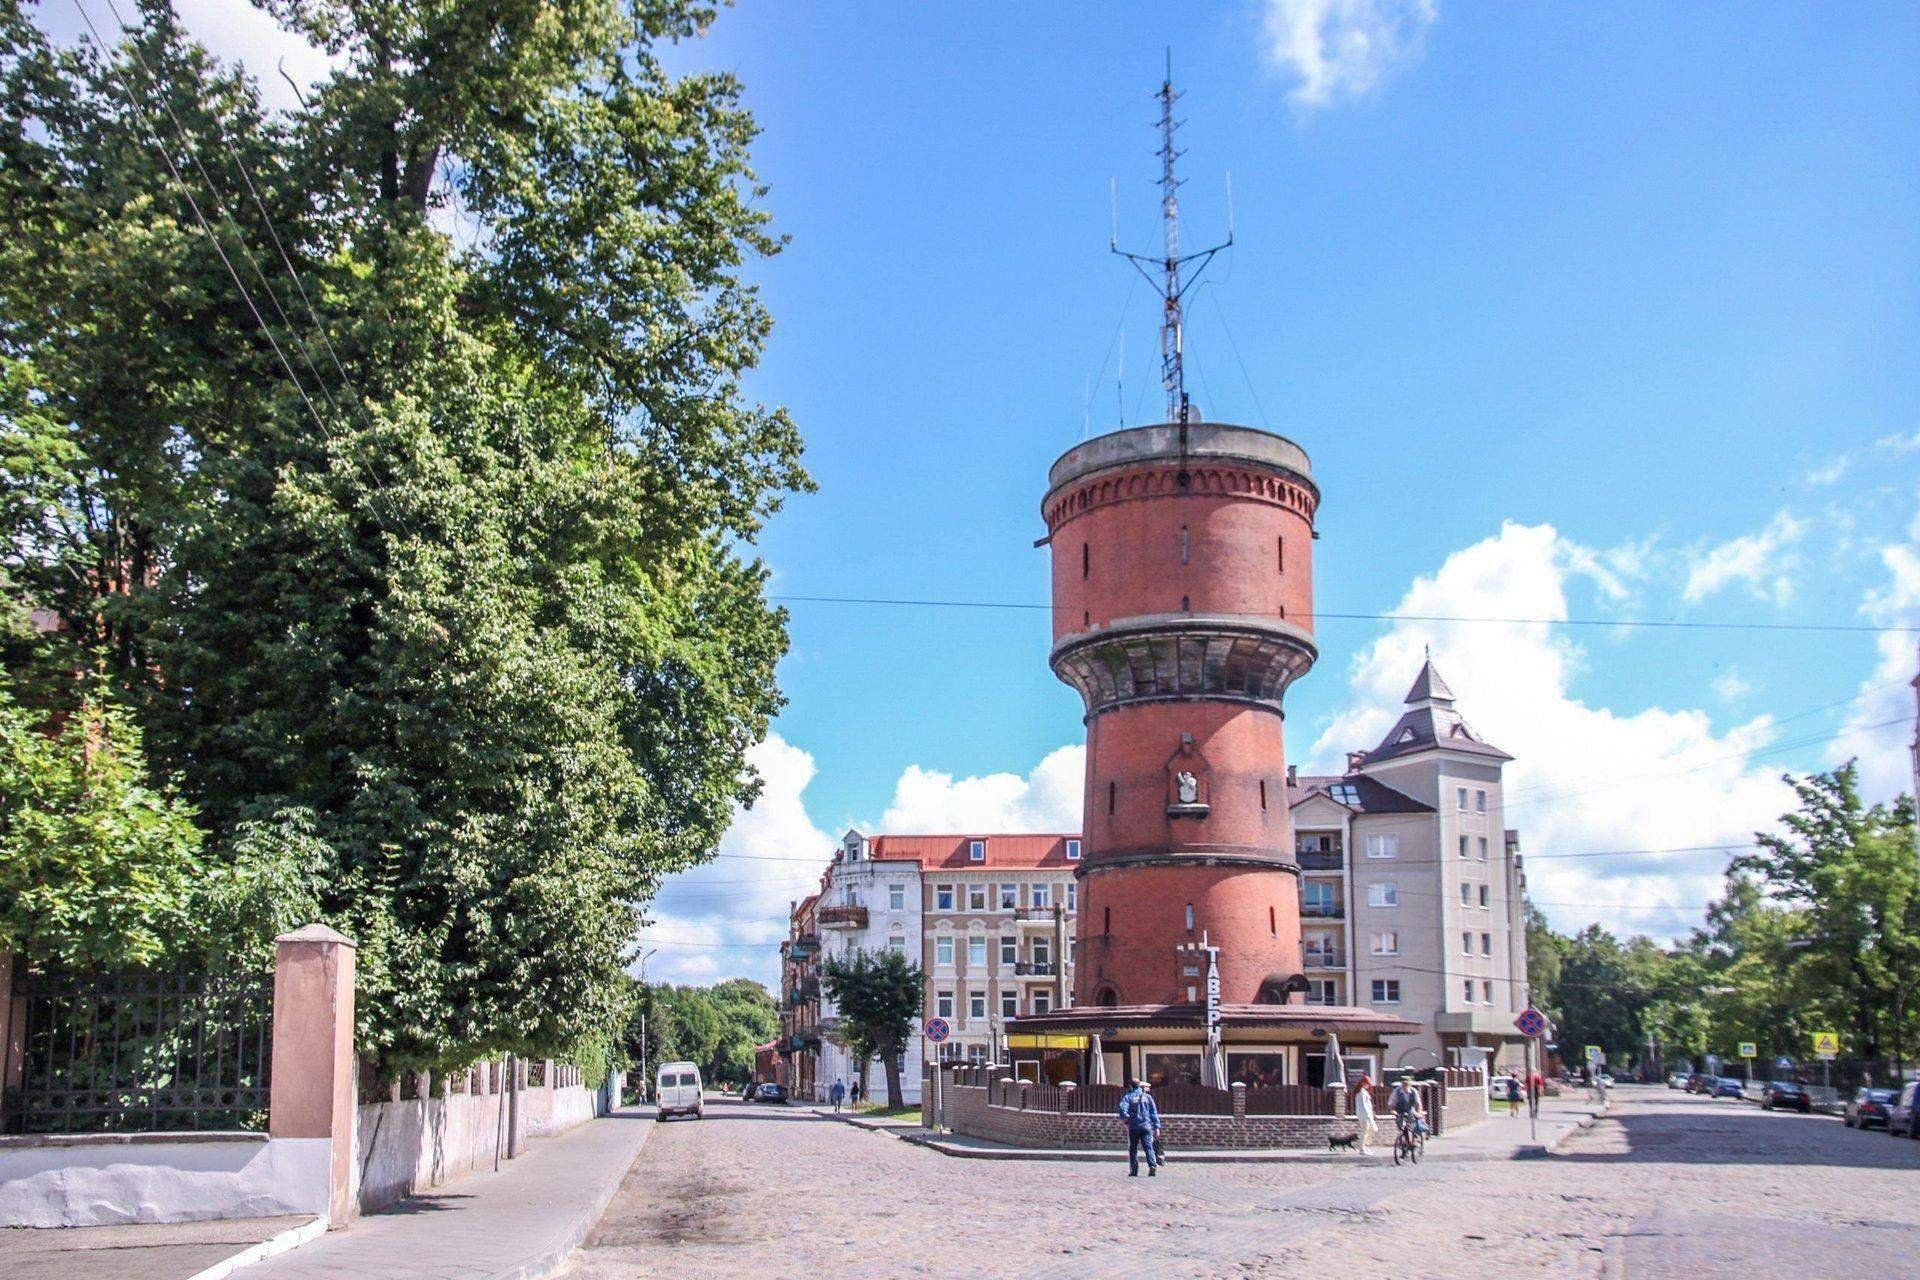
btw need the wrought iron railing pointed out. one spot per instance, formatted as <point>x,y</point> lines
<point>142,1052</point>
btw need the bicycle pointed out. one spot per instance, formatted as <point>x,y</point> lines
<point>1411,1142</point>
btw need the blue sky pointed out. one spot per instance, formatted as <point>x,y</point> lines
<point>1602,311</point>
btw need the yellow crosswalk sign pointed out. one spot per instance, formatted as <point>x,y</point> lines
<point>1826,1044</point>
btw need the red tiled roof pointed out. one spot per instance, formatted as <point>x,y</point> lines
<point>1023,852</point>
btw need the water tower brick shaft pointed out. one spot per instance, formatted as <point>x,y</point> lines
<point>1182,610</point>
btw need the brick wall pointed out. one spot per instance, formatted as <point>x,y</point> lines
<point>1466,1104</point>
<point>995,1112</point>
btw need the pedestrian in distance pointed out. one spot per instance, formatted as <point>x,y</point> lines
<point>838,1093</point>
<point>1363,1109</point>
<point>853,1096</point>
<point>1142,1118</point>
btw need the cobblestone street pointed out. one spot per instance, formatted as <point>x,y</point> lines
<point>1667,1186</point>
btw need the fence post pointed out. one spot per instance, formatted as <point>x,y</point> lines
<point>1239,1091</point>
<point>1066,1096</point>
<point>312,1093</point>
<point>13,1026</point>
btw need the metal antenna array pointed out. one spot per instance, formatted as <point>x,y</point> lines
<point>1169,267</point>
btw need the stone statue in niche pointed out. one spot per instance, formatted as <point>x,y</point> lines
<point>1189,787</point>
<point>1187,781</point>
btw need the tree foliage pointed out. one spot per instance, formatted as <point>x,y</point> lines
<point>718,1027</point>
<point>425,572</point>
<point>877,996</point>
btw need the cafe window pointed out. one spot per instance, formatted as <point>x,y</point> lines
<point>1161,1069</point>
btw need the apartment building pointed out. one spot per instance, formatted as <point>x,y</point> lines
<point>1413,893</point>
<point>869,901</point>
<point>797,1051</point>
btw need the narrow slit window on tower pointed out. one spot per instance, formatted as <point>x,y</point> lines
<point>1189,917</point>
<point>1280,545</point>
<point>1086,617</point>
<point>1183,544</point>
<point>1112,789</point>
<point>1185,605</point>
<point>1263,794</point>
<point>1273,922</point>
<point>1086,560</point>
<point>1106,919</point>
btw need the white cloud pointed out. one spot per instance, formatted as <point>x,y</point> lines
<point>1899,443</point>
<point>926,801</point>
<point>1763,561</point>
<point>1584,777</point>
<point>725,919</point>
<point>1730,684</point>
<point>1885,768</point>
<point>1343,48</point>
<point>1831,472</point>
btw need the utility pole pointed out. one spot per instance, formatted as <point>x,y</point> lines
<point>1166,273</point>
<point>646,1003</point>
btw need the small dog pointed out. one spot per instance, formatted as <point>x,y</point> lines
<point>1347,1143</point>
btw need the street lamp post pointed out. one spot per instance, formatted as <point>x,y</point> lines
<point>646,1002</point>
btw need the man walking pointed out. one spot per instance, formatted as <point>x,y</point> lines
<point>838,1093</point>
<point>1142,1119</point>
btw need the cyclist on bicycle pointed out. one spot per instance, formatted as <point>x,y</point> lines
<point>1404,1102</point>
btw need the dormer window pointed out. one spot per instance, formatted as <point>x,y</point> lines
<point>1073,851</point>
<point>976,851</point>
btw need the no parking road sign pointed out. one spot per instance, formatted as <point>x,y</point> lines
<point>937,1029</point>
<point>1531,1022</point>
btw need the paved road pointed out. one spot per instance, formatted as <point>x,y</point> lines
<point>1669,1186</point>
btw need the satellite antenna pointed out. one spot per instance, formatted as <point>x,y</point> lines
<point>1173,274</point>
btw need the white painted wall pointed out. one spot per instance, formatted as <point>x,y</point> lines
<point>95,1180</point>
<point>406,1147</point>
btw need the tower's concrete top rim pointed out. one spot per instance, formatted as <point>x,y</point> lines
<point>1206,441</point>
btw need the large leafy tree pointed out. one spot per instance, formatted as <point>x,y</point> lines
<point>419,549</point>
<point>877,997</point>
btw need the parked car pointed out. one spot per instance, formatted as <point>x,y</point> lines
<point>1785,1093</point>
<point>770,1093</point>
<point>1903,1117</point>
<point>1678,1080</point>
<point>749,1091</point>
<point>1728,1087</point>
<point>1699,1082</point>
<point>678,1090</point>
<point>1868,1107</point>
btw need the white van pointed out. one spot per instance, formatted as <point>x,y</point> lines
<point>677,1090</point>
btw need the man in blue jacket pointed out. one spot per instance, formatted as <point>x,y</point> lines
<point>1142,1119</point>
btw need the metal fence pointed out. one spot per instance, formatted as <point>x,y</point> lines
<point>142,1052</point>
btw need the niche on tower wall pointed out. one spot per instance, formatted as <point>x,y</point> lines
<point>1189,781</point>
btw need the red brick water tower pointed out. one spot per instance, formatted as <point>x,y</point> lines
<point>1182,610</point>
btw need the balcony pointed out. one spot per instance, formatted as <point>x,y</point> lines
<point>1323,911</point>
<point>807,944</point>
<point>1324,959</point>
<point>850,916</point>
<point>804,991</point>
<point>1319,861</point>
<point>1042,916</point>
<point>1034,969</point>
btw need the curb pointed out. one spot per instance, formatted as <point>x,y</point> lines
<point>292,1238</point>
<point>1100,1156</point>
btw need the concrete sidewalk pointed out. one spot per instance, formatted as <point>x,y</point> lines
<point>518,1224</point>
<point>151,1250</point>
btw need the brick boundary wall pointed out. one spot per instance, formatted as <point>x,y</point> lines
<point>1466,1104</point>
<point>995,1112</point>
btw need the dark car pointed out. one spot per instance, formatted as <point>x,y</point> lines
<point>1785,1093</point>
<point>1903,1117</point>
<point>1699,1082</point>
<point>770,1093</point>
<point>1869,1107</point>
<point>1727,1087</point>
<point>751,1091</point>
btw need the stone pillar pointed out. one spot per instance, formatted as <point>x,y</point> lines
<point>1239,1091</point>
<point>1066,1097</point>
<point>313,1060</point>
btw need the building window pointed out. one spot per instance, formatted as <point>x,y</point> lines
<point>1483,848</point>
<point>1466,895</point>
<point>1345,793</point>
<point>976,1054</point>
<point>1112,792</point>
<point>977,1006</point>
<point>1042,1000</point>
<point>976,952</point>
<point>1479,802</point>
<point>943,1004</point>
<point>896,897</point>
<point>1106,920</point>
<point>1189,917</point>
<point>1009,949</point>
<point>1386,991</point>
<point>1322,991</point>
<point>1073,895</point>
<point>1486,944</point>
<point>1386,943</point>
<point>1086,560</point>
<point>1383,846</point>
<point>1009,1004</point>
<point>943,897</point>
<point>1183,544</point>
<point>1384,894</point>
<point>1263,793</point>
<point>1040,895</point>
<point>1317,899</point>
<point>1280,554</point>
<point>1273,922</point>
<point>1466,943</point>
<point>1467,990</point>
<point>943,951</point>
<point>1462,791</point>
<point>1042,951</point>
<point>976,851</point>
<point>897,943</point>
<point>1009,896</point>
<point>1463,846</point>
<point>1486,991</point>
<point>1483,895</point>
<point>1073,851</point>
<point>976,897</point>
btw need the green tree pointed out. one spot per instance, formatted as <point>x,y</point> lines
<point>1849,869</point>
<point>429,571</point>
<point>877,994</point>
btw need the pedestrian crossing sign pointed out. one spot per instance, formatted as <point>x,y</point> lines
<point>1748,1048</point>
<point>1826,1044</point>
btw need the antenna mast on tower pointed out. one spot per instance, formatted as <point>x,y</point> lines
<point>1169,283</point>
